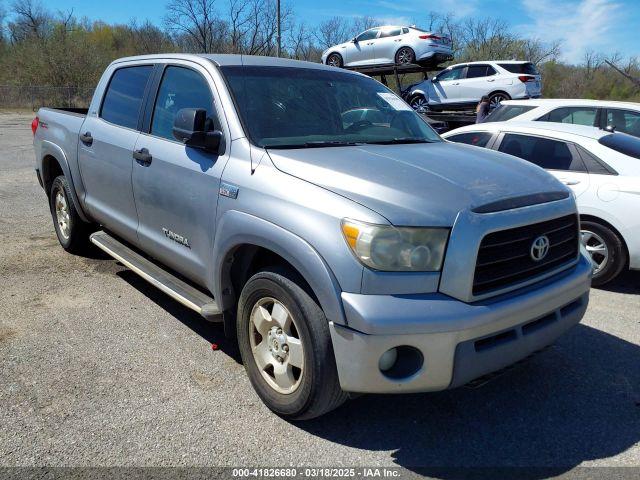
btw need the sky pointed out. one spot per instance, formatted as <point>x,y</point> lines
<point>605,26</point>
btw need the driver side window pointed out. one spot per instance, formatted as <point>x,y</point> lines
<point>180,88</point>
<point>453,74</point>
<point>368,35</point>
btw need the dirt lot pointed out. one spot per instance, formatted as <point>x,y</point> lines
<point>98,368</point>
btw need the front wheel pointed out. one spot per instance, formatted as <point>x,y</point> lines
<point>334,60</point>
<point>419,103</point>
<point>607,252</point>
<point>286,347</point>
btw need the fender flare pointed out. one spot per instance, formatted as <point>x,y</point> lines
<point>235,229</point>
<point>50,149</point>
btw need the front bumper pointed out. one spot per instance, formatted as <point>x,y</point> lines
<point>459,341</point>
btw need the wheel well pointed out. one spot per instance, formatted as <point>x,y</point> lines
<point>50,170</point>
<point>246,260</point>
<point>591,218</point>
<point>406,46</point>
<point>334,53</point>
<point>499,91</point>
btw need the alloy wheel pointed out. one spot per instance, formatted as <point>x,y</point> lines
<point>62,214</point>
<point>276,345</point>
<point>596,248</point>
<point>405,56</point>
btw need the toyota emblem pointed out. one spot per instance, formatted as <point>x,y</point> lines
<point>539,248</point>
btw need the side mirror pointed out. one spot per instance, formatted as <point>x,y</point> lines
<point>192,127</point>
<point>354,40</point>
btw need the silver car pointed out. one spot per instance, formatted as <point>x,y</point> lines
<point>391,44</point>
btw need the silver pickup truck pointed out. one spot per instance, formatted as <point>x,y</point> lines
<point>345,245</point>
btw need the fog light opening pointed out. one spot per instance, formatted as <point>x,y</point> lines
<point>400,362</point>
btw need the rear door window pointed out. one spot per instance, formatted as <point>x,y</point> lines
<point>123,98</point>
<point>544,152</point>
<point>394,32</point>
<point>627,121</point>
<point>180,88</point>
<point>478,139</point>
<point>576,115</point>
<point>477,71</point>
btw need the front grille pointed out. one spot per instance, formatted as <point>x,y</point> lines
<point>504,257</point>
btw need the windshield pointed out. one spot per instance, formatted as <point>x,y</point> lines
<point>285,107</point>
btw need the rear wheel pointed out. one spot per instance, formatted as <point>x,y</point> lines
<point>71,230</point>
<point>286,347</point>
<point>496,98</point>
<point>607,252</point>
<point>335,60</point>
<point>405,56</point>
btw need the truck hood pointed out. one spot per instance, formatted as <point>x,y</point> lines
<point>417,184</point>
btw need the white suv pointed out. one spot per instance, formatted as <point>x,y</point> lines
<point>462,86</point>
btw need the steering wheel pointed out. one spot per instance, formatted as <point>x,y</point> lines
<point>359,125</point>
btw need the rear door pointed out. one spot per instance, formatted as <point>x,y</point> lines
<point>177,192</point>
<point>477,82</point>
<point>108,137</point>
<point>386,45</point>
<point>560,158</point>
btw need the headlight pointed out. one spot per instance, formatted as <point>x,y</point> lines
<point>398,249</point>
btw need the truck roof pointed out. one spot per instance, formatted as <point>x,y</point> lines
<point>233,59</point>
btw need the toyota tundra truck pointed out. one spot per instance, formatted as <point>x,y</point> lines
<point>340,240</point>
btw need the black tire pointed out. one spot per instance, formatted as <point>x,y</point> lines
<point>335,60</point>
<point>496,97</point>
<point>318,390</point>
<point>419,103</point>
<point>75,238</point>
<point>617,253</point>
<point>405,56</point>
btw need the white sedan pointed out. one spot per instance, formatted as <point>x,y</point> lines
<point>388,45</point>
<point>623,116</point>
<point>603,170</point>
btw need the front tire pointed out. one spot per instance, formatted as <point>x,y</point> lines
<point>286,347</point>
<point>71,230</point>
<point>419,103</point>
<point>606,249</point>
<point>335,60</point>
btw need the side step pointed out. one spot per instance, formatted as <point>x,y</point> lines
<point>159,277</point>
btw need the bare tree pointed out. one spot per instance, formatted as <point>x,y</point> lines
<point>196,24</point>
<point>30,20</point>
<point>626,74</point>
<point>360,24</point>
<point>332,31</point>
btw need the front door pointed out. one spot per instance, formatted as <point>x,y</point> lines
<point>446,86</point>
<point>176,193</point>
<point>360,52</point>
<point>105,149</point>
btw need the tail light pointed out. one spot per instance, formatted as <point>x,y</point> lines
<point>430,37</point>
<point>526,78</point>
<point>34,125</point>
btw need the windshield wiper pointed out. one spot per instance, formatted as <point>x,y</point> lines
<point>318,144</point>
<point>398,140</point>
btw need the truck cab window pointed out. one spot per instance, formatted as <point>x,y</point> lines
<point>123,98</point>
<point>180,88</point>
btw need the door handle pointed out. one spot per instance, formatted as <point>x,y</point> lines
<point>566,181</point>
<point>86,138</point>
<point>491,80</point>
<point>143,157</point>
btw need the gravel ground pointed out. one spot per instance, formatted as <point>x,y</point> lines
<point>97,368</point>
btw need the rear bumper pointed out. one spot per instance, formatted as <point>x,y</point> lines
<point>435,57</point>
<point>458,341</point>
